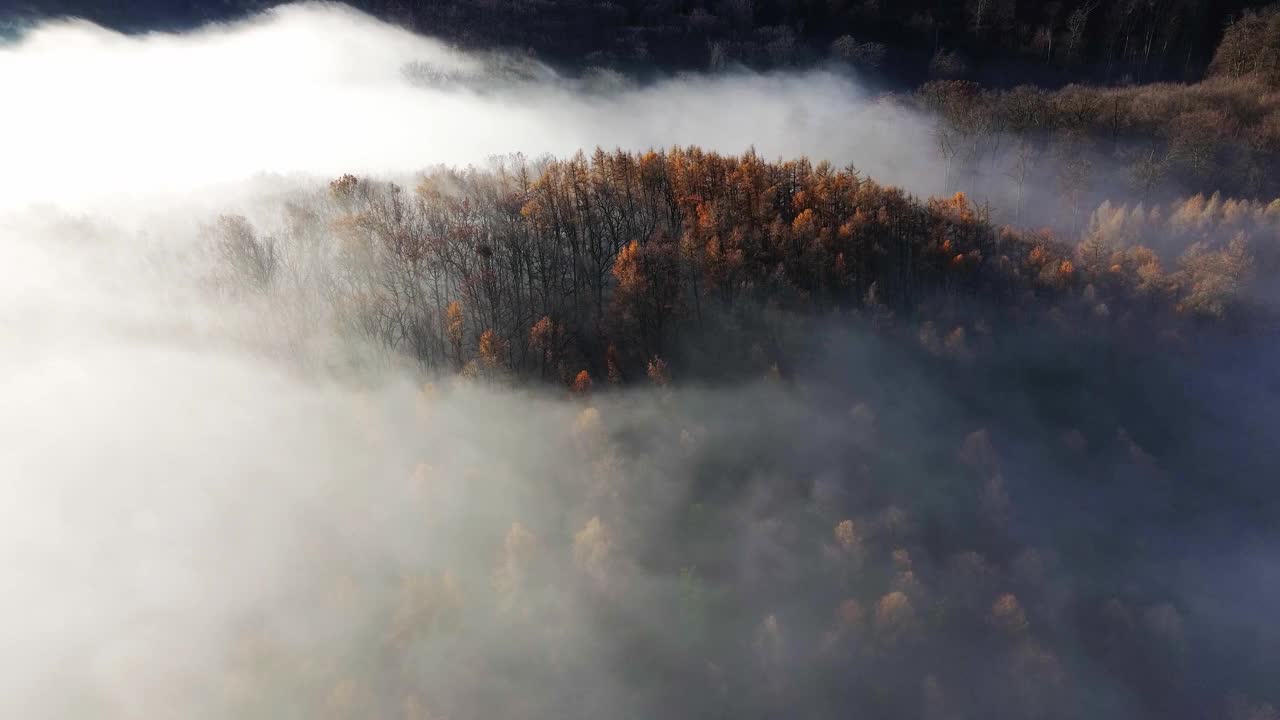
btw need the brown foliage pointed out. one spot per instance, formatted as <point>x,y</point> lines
<point>611,257</point>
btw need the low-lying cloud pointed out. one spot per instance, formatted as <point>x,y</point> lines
<point>321,90</point>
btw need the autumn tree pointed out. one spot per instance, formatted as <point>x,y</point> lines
<point>593,553</point>
<point>547,339</point>
<point>1213,278</point>
<point>647,293</point>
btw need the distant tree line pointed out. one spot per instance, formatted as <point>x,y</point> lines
<point>1165,139</point>
<point>995,40</point>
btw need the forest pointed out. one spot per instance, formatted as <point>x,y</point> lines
<point>609,264</point>
<point>1048,41</point>
<point>969,413</point>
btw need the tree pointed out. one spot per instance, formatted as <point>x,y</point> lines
<point>1148,172</point>
<point>1077,23</point>
<point>957,123</point>
<point>849,49</point>
<point>657,371</point>
<point>979,14</point>
<point>512,575</point>
<point>647,287</point>
<point>1196,140</point>
<point>546,338</point>
<point>1025,110</point>
<point>947,64</point>
<point>895,617</point>
<point>455,327</point>
<point>1250,47</point>
<point>593,553</point>
<point>1075,169</point>
<point>1008,618</point>
<point>252,260</point>
<point>491,350</point>
<point>1212,279</point>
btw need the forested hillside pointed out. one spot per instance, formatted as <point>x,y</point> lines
<point>997,40</point>
<point>607,264</point>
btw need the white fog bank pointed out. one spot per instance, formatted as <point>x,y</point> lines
<point>323,90</point>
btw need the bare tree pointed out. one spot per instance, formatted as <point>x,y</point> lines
<point>251,259</point>
<point>1077,22</point>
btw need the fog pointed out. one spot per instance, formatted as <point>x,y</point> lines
<point>219,505</point>
<point>323,90</point>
